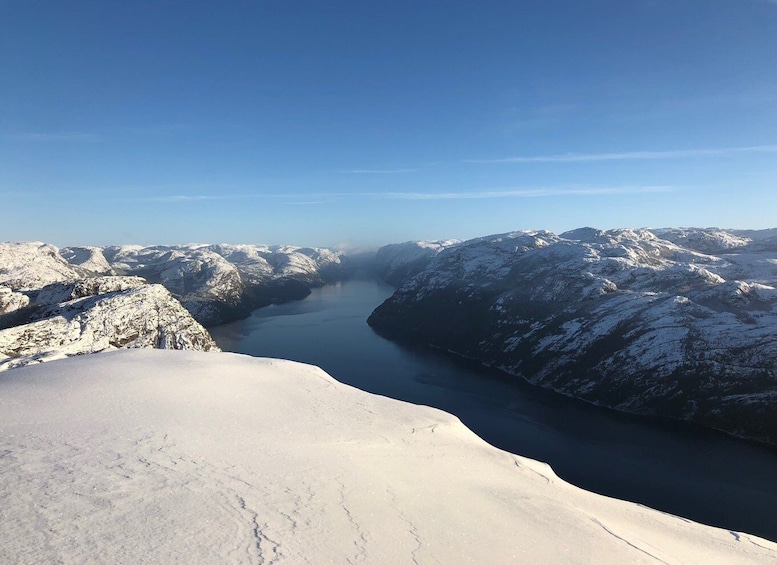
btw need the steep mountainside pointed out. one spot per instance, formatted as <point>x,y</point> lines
<point>683,325</point>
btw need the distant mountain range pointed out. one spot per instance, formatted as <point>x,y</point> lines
<point>678,323</point>
<point>56,303</point>
<point>218,283</point>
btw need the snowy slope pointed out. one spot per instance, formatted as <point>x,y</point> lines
<point>683,325</point>
<point>398,262</point>
<point>88,258</point>
<point>143,456</point>
<point>30,265</point>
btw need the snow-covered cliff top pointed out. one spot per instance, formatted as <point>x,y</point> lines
<point>183,457</point>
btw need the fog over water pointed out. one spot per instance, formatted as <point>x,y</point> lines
<point>674,467</point>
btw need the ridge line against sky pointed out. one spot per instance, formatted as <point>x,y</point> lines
<point>313,124</point>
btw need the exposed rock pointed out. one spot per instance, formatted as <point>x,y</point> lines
<point>11,301</point>
<point>96,315</point>
<point>65,291</point>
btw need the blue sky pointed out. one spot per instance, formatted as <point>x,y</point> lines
<point>363,123</point>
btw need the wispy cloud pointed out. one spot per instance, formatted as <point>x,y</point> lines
<point>312,198</point>
<point>527,193</point>
<point>376,171</point>
<point>631,155</point>
<point>184,198</point>
<point>293,198</point>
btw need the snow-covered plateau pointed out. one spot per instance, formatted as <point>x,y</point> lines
<point>677,323</point>
<point>146,456</point>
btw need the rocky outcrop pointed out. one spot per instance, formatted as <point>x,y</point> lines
<point>91,315</point>
<point>11,301</point>
<point>622,318</point>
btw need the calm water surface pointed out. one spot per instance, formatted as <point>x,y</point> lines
<point>677,468</point>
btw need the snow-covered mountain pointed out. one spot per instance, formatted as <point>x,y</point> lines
<point>56,303</point>
<point>674,323</point>
<point>30,265</point>
<point>218,283</point>
<point>398,262</point>
<point>149,456</point>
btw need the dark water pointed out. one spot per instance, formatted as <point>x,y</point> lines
<point>676,468</point>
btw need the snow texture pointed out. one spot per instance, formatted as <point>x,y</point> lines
<point>144,456</point>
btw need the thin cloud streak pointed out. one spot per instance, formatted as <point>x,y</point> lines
<point>182,198</point>
<point>376,171</point>
<point>632,155</point>
<point>328,197</point>
<point>529,193</point>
